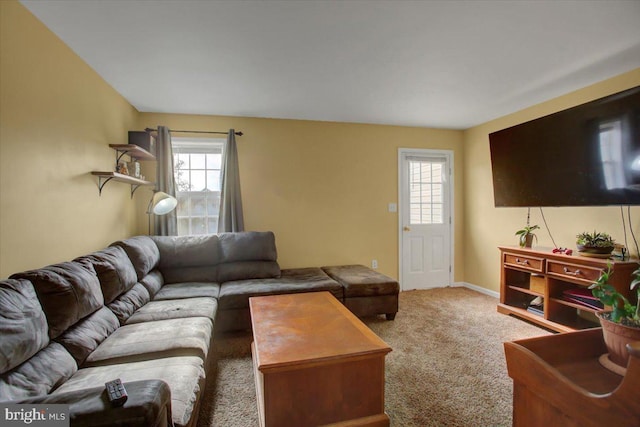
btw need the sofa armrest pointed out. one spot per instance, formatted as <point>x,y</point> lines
<point>149,404</point>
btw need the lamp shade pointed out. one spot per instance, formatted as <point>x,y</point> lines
<point>162,203</point>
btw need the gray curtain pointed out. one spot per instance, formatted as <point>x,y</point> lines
<point>165,225</point>
<point>230,218</point>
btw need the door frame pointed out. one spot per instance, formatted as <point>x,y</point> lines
<point>425,152</point>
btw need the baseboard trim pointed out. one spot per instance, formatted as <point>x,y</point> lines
<point>477,289</point>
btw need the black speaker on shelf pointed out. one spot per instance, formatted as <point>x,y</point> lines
<point>143,140</point>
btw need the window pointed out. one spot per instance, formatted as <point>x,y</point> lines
<point>426,197</point>
<point>197,165</point>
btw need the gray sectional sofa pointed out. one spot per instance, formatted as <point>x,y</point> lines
<point>145,310</point>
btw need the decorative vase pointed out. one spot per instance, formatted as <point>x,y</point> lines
<point>528,241</point>
<point>616,337</point>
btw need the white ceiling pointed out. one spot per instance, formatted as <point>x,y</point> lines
<point>448,64</point>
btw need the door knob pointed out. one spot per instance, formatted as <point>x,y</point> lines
<point>405,228</point>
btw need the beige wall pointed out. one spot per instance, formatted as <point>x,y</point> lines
<point>57,117</point>
<point>323,187</point>
<point>487,227</point>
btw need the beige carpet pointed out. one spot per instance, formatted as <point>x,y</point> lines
<point>447,366</point>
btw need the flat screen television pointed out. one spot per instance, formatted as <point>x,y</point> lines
<point>588,155</point>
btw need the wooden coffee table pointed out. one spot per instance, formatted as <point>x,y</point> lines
<point>315,363</point>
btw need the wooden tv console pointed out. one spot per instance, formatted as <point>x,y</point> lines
<point>528,273</point>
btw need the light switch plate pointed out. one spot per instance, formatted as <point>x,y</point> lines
<point>393,207</point>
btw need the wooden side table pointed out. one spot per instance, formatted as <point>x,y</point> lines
<point>557,380</point>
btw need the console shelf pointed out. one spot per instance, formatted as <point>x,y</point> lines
<point>525,291</point>
<point>556,272</point>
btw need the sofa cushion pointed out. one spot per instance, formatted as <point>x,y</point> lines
<point>175,309</point>
<point>184,375</point>
<point>83,337</point>
<point>188,251</point>
<point>191,274</point>
<point>248,246</point>
<point>188,290</point>
<point>23,325</point>
<point>143,253</point>
<point>235,295</point>
<point>114,269</point>
<point>189,258</point>
<point>39,375</point>
<point>152,340</point>
<point>67,292</point>
<point>152,282</point>
<point>248,255</point>
<point>126,304</point>
<point>248,270</point>
<point>361,281</point>
<point>148,405</point>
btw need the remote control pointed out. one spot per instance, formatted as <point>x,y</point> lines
<point>115,392</point>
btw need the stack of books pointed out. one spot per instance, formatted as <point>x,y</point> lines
<point>582,296</point>
<point>536,306</point>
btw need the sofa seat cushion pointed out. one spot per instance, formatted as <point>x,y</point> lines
<point>148,405</point>
<point>184,375</point>
<point>176,309</point>
<point>361,281</point>
<point>151,340</point>
<point>188,290</point>
<point>236,294</point>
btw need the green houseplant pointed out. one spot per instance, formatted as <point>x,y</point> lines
<point>526,235</point>
<point>594,243</point>
<point>621,324</point>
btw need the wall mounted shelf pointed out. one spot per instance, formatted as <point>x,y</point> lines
<point>133,151</point>
<point>104,177</point>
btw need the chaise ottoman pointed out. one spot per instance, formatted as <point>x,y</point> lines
<point>366,292</point>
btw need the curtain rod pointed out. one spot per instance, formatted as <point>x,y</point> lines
<point>239,133</point>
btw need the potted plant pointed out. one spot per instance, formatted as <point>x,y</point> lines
<point>526,235</point>
<point>595,243</point>
<point>620,325</point>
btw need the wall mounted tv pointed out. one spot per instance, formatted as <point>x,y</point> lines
<point>588,155</point>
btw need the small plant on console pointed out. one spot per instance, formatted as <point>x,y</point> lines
<point>526,235</point>
<point>596,242</point>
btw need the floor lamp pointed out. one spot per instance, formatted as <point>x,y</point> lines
<point>160,204</point>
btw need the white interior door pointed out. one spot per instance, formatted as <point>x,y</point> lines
<point>425,218</point>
